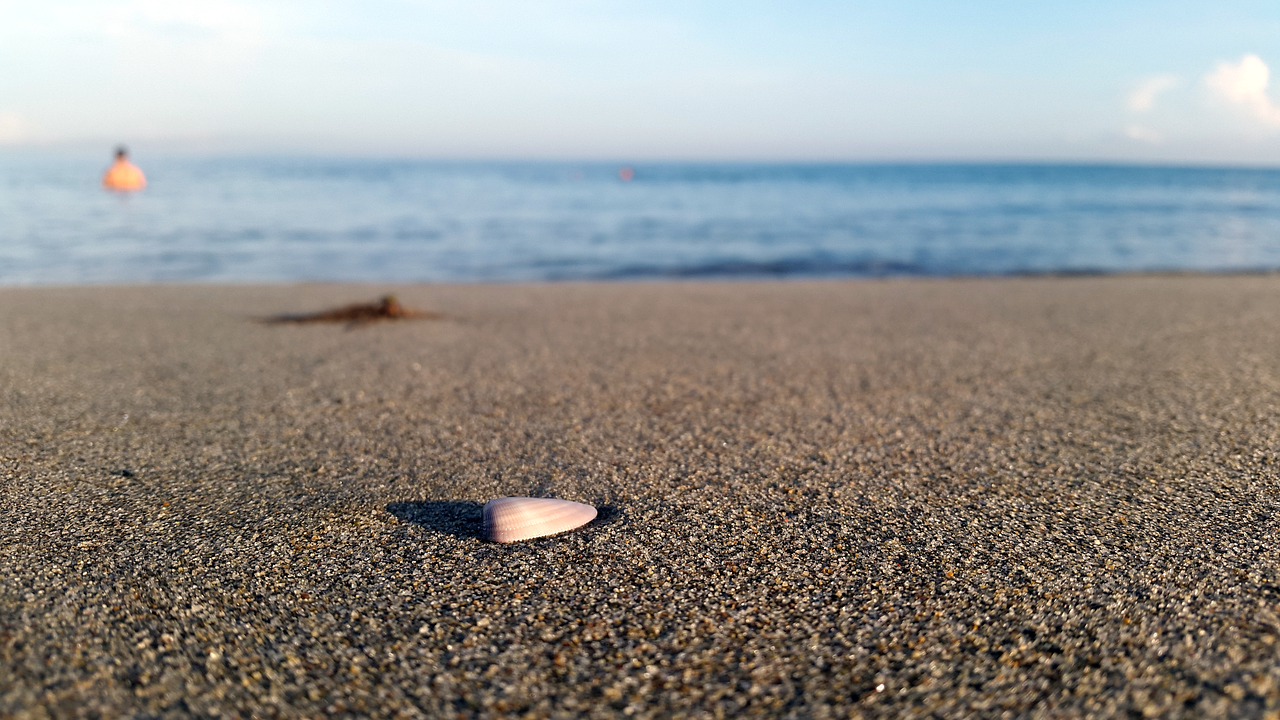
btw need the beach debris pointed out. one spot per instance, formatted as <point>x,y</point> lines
<point>511,519</point>
<point>387,308</point>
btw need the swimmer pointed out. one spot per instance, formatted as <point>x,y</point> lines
<point>123,176</point>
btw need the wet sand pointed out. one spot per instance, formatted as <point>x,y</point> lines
<point>1052,496</point>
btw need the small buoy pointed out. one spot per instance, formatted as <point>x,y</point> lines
<point>626,174</point>
<point>123,176</point>
<point>512,519</point>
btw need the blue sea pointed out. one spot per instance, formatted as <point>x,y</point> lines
<point>241,219</point>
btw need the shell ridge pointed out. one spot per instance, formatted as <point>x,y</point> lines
<point>513,519</point>
<point>530,522</point>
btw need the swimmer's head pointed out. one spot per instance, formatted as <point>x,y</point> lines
<point>121,152</point>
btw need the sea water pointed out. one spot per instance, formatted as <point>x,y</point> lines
<point>240,219</point>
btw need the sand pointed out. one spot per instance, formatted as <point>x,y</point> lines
<point>1048,496</point>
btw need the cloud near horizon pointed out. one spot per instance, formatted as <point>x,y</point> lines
<point>1143,98</point>
<point>13,128</point>
<point>1143,134</point>
<point>1244,85</point>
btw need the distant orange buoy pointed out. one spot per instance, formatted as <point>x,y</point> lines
<point>123,176</point>
<point>626,174</point>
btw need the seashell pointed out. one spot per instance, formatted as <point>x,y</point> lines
<point>511,519</point>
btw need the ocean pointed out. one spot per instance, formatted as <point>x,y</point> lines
<point>242,219</point>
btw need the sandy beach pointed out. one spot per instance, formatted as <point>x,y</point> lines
<point>1041,496</point>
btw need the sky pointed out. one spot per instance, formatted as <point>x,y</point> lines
<point>1142,81</point>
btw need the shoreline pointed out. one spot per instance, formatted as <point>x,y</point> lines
<point>674,278</point>
<point>964,496</point>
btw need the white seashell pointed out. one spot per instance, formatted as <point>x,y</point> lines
<point>511,519</point>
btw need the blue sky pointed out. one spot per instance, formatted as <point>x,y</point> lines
<point>913,80</point>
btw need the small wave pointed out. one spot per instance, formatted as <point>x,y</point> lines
<point>781,268</point>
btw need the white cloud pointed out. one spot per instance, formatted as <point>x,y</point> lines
<point>13,128</point>
<point>1143,97</point>
<point>191,20</point>
<point>1143,134</point>
<point>1244,84</point>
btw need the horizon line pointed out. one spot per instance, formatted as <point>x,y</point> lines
<point>621,161</point>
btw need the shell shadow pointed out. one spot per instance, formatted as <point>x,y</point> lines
<point>459,518</point>
<point>606,515</point>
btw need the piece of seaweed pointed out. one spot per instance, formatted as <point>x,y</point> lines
<point>359,314</point>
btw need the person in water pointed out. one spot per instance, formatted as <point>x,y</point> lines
<point>123,175</point>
